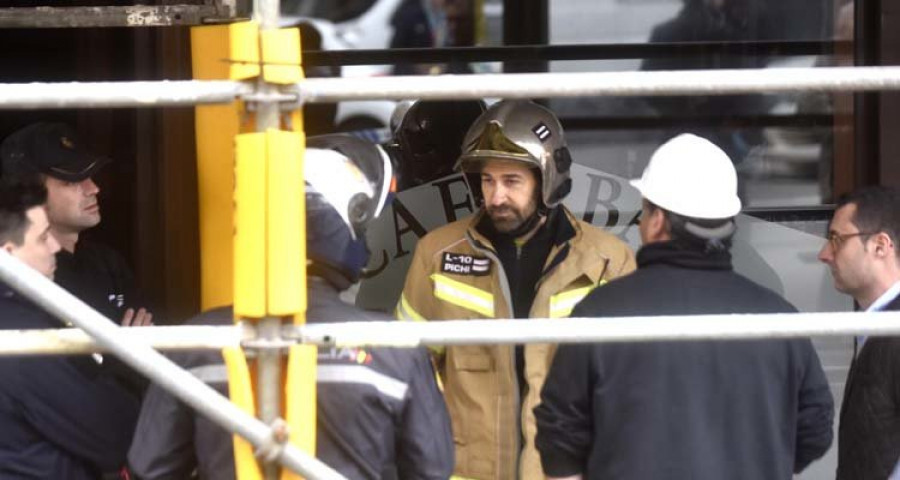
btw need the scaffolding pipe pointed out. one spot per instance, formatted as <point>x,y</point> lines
<point>472,332</point>
<point>73,341</point>
<point>554,85</point>
<point>165,93</point>
<point>268,364</point>
<point>526,85</point>
<point>465,332</point>
<point>597,330</point>
<point>62,304</point>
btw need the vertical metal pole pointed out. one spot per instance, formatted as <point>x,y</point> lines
<point>266,13</point>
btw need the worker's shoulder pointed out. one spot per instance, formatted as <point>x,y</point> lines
<point>445,236</point>
<point>596,237</point>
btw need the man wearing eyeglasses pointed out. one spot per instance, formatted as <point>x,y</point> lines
<point>862,253</point>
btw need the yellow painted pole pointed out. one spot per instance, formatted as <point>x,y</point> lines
<point>300,387</point>
<point>225,52</point>
<point>287,240</point>
<point>240,390</point>
<point>220,52</point>
<point>252,210</point>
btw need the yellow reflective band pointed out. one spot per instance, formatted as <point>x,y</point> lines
<point>406,312</point>
<point>463,295</point>
<point>562,304</point>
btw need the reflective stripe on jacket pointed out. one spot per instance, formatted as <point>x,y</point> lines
<point>455,274</point>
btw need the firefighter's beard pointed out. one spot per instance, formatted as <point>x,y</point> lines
<point>509,220</point>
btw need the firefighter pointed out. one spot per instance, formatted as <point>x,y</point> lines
<point>380,414</point>
<point>521,255</point>
<point>757,409</point>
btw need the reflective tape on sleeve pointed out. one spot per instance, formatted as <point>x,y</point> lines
<point>462,295</point>
<point>562,304</point>
<point>405,311</point>
<point>362,375</point>
<point>212,373</point>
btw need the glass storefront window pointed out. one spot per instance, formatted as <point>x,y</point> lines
<point>784,146</point>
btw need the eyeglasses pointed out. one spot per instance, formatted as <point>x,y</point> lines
<point>837,239</point>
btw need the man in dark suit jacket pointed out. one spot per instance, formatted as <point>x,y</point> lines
<point>862,252</point>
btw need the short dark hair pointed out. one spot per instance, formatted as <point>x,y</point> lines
<point>877,210</point>
<point>15,201</point>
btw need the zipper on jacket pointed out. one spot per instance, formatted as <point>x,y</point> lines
<point>504,286</point>
<point>547,273</point>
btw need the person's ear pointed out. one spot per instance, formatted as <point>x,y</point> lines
<point>884,246</point>
<point>657,226</point>
<point>9,247</point>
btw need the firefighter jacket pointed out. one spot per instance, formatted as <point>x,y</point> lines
<point>455,274</point>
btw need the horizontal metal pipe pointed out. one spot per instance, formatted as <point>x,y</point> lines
<point>528,85</point>
<point>590,330</point>
<point>165,93</point>
<point>73,341</point>
<point>463,332</point>
<point>62,304</point>
<point>552,85</point>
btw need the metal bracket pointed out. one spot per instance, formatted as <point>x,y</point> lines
<point>258,344</point>
<point>210,11</point>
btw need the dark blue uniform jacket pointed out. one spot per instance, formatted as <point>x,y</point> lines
<point>61,417</point>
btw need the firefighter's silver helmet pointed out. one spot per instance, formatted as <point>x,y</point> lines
<point>521,131</point>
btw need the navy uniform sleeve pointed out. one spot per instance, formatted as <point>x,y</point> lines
<point>90,416</point>
<point>816,412</point>
<point>564,416</point>
<point>163,440</point>
<point>424,439</point>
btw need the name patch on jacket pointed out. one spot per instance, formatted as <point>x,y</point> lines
<point>462,264</point>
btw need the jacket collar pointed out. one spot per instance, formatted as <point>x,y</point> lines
<point>568,248</point>
<point>561,221</point>
<point>678,254</point>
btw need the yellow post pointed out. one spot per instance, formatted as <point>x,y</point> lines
<point>220,52</point>
<point>252,211</point>
<point>300,389</point>
<point>240,390</point>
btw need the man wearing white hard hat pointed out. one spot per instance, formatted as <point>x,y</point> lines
<point>752,409</point>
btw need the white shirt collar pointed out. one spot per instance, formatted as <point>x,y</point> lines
<point>887,297</point>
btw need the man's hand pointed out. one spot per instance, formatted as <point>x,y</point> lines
<point>142,318</point>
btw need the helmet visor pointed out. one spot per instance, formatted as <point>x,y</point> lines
<point>370,159</point>
<point>492,144</point>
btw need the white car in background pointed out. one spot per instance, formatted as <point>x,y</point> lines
<point>347,25</point>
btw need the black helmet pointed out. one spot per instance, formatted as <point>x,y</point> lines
<point>427,138</point>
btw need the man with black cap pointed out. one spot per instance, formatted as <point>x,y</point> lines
<point>757,409</point>
<point>52,155</point>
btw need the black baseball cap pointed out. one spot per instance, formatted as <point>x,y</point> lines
<point>53,149</point>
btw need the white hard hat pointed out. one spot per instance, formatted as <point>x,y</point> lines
<point>690,176</point>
